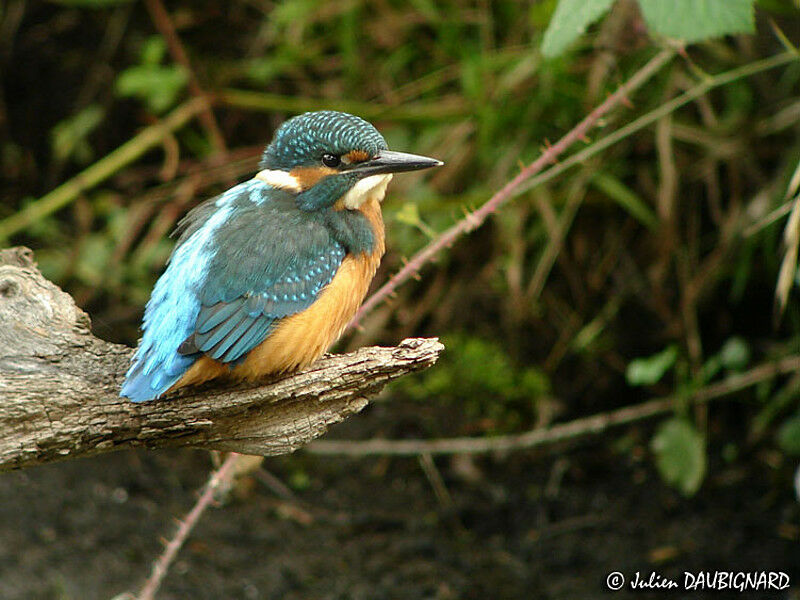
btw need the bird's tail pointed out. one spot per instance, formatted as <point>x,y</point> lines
<point>147,379</point>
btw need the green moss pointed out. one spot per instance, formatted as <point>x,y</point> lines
<point>479,377</point>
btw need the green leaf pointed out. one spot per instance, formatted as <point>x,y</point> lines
<point>789,436</point>
<point>680,455</point>
<point>480,378</point>
<point>69,136</point>
<point>569,21</point>
<point>409,214</point>
<point>157,86</point>
<point>299,479</point>
<point>626,198</point>
<point>153,50</point>
<point>647,371</point>
<point>710,369</point>
<point>264,69</point>
<point>735,354</point>
<point>697,20</point>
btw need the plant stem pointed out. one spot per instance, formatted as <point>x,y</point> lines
<point>524,181</point>
<point>101,170</point>
<point>541,436</point>
<point>163,23</point>
<point>219,478</point>
<point>475,219</point>
<point>418,111</point>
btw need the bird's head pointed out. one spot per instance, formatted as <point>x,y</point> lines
<point>333,159</point>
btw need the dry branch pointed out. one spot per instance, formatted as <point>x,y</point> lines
<point>591,425</point>
<point>59,387</point>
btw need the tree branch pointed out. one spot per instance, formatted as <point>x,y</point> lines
<point>59,387</point>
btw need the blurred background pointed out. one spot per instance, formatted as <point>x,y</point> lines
<point>661,267</point>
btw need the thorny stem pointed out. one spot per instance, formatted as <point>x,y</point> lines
<point>475,219</point>
<point>218,479</point>
<point>536,437</point>
<point>525,180</point>
<point>656,114</point>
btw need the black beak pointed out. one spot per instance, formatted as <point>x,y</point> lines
<point>393,162</point>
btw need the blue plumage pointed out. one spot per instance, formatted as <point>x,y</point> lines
<point>266,249</point>
<point>245,259</point>
<point>227,330</point>
<point>300,141</point>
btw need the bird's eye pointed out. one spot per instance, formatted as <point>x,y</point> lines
<point>331,160</point>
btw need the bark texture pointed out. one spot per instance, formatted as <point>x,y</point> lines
<point>59,387</point>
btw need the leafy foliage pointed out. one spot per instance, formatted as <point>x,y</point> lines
<point>155,84</point>
<point>477,376</point>
<point>697,20</point>
<point>570,21</point>
<point>651,264</point>
<point>680,455</point>
<point>69,137</point>
<point>687,20</point>
<point>678,446</point>
<point>647,371</point>
<point>735,354</point>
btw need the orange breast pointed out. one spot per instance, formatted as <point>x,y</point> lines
<point>300,339</point>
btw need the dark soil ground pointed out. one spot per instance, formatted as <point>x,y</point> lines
<point>527,525</point>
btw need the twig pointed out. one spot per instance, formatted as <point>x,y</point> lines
<point>476,218</point>
<point>219,478</point>
<point>101,170</point>
<point>442,110</point>
<point>526,179</point>
<point>163,23</point>
<point>557,433</point>
<point>275,485</point>
<point>435,479</point>
<point>775,215</point>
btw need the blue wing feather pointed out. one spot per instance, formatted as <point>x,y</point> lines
<point>227,331</point>
<point>249,340</point>
<point>244,260</point>
<point>212,317</point>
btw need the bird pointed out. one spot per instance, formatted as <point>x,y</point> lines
<point>265,277</point>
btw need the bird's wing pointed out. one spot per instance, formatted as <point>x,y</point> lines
<point>244,260</point>
<point>240,303</point>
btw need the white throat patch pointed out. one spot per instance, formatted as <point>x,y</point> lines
<point>364,189</point>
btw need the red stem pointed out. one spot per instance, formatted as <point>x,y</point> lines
<point>475,219</point>
<point>161,566</point>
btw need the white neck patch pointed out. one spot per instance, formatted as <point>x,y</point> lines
<point>364,189</point>
<point>279,179</point>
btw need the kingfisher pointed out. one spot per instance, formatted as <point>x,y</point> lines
<point>265,277</point>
